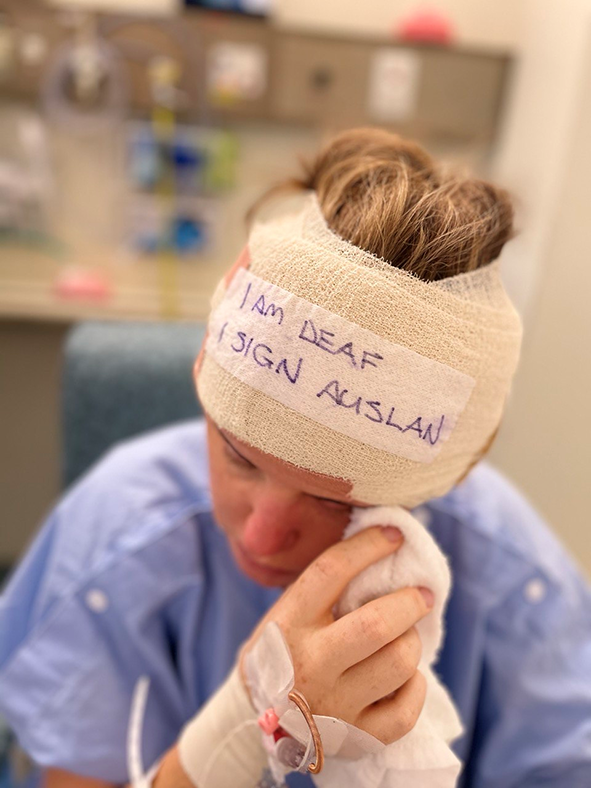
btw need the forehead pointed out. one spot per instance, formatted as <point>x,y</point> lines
<point>316,484</point>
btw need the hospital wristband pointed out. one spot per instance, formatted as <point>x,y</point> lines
<point>221,747</point>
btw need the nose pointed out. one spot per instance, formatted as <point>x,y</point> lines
<point>271,526</point>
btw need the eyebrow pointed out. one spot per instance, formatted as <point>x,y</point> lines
<point>318,497</point>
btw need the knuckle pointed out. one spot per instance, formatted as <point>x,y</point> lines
<point>373,624</point>
<point>326,565</point>
<point>407,650</point>
<point>407,719</point>
<point>317,656</point>
<point>383,737</point>
<point>407,716</point>
<point>374,729</point>
<point>421,682</point>
<point>394,726</point>
<point>413,647</point>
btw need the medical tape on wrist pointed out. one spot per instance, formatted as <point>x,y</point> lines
<point>338,363</point>
<point>221,747</point>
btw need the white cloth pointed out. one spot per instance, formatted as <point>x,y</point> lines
<point>422,758</point>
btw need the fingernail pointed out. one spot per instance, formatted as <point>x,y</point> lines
<point>392,533</point>
<point>427,596</point>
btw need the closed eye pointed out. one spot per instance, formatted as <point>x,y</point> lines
<point>332,503</point>
<point>234,455</point>
<point>236,458</point>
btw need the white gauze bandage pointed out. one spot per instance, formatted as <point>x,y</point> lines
<point>221,747</point>
<point>333,360</point>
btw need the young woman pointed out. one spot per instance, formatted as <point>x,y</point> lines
<point>169,556</point>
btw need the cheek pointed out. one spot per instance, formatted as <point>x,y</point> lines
<point>321,530</point>
<point>229,496</point>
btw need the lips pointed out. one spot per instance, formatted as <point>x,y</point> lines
<point>260,568</point>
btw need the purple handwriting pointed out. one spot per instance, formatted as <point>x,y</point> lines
<point>375,413</point>
<point>262,355</point>
<point>322,339</point>
<point>263,307</point>
<point>266,358</point>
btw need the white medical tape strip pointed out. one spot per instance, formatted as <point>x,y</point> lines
<point>335,372</point>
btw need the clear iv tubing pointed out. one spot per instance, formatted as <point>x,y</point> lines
<point>135,769</point>
<point>140,779</point>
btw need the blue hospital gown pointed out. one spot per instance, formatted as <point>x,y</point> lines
<point>130,576</point>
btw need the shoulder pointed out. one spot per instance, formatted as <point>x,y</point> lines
<point>98,599</point>
<point>146,494</point>
<point>163,467</point>
<point>497,539</point>
<point>141,488</point>
<point>520,636</point>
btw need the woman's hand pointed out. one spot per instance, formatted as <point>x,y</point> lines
<point>346,668</point>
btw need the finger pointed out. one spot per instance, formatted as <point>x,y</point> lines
<point>392,718</point>
<point>385,671</point>
<point>324,580</point>
<point>362,632</point>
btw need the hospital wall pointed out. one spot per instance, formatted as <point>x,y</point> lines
<point>545,158</point>
<point>487,23</point>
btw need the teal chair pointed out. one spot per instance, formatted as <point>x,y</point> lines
<point>121,379</point>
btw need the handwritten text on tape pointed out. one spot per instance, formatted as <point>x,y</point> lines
<point>335,372</point>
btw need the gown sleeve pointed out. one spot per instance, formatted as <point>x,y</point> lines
<point>87,614</point>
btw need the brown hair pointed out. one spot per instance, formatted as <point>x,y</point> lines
<point>388,196</point>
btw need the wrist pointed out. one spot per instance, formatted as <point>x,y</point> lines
<point>171,774</point>
<point>221,747</point>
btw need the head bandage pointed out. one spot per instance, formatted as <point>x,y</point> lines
<point>331,359</point>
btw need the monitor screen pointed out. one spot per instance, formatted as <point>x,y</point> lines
<point>250,7</point>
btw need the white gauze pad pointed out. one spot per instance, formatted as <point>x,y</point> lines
<point>333,360</point>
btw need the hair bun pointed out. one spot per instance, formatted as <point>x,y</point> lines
<point>388,196</point>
